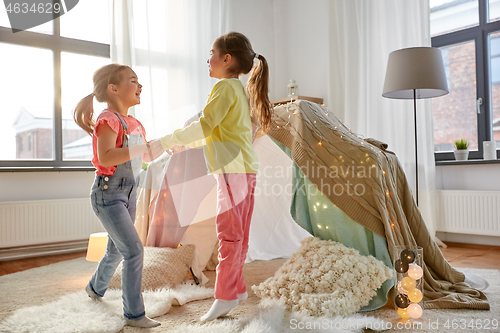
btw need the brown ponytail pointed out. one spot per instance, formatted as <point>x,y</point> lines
<point>239,47</point>
<point>258,88</point>
<point>103,77</point>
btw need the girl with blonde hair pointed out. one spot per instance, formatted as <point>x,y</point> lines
<point>119,146</point>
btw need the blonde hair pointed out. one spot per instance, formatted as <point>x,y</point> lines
<point>103,77</point>
<point>239,47</point>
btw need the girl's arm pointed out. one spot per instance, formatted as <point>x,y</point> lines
<point>215,111</point>
<point>109,155</point>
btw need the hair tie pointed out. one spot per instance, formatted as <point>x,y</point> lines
<point>256,55</point>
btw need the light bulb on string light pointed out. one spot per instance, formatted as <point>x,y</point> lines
<point>401,290</point>
<point>403,313</point>
<point>408,256</point>
<point>401,266</point>
<point>414,311</point>
<point>415,271</point>
<point>415,295</point>
<point>408,283</point>
<point>402,301</point>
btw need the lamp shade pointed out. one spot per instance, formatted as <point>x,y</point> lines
<point>416,68</point>
<point>97,246</point>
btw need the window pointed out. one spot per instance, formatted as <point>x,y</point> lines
<point>468,34</point>
<point>46,70</point>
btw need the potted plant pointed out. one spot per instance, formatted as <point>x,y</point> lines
<point>461,149</point>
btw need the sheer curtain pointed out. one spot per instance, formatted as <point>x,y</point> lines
<point>361,36</point>
<point>167,43</point>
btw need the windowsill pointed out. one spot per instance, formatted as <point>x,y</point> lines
<point>46,169</point>
<point>468,162</point>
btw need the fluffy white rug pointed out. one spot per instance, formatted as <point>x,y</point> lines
<point>272,317</point>
<point>76,312</point>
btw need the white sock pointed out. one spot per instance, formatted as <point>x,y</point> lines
<point>144,322</point>
<point>242,297</point>
<point>219,308</point>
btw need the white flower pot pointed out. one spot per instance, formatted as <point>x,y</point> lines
<point>462,154</point>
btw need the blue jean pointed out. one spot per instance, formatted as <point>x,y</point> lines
<point>113,200</point>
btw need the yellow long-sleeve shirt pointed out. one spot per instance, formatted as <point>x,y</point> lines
<point>225,128</point>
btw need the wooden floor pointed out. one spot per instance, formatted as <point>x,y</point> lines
<point>458,254</point>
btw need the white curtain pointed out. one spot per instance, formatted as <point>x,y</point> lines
<point>167,43</point>
<point>361,35</point>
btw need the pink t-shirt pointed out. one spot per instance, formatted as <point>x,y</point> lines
<point>112,120</point>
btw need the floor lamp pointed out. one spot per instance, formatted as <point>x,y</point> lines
<point>415,73</point>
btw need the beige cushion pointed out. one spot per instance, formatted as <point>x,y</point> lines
<point>325,278</point>
<point>163,267</point>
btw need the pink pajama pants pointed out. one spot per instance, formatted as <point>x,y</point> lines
<point>235,201</point>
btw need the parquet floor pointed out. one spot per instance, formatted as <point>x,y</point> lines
<point>458,254</point>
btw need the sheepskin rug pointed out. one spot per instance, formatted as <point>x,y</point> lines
<point>76,312</point>
<point>272,317</point>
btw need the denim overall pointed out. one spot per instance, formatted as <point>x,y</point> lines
<point>113,200</point>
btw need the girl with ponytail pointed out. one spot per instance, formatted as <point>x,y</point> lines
<point>225,131</point>
<point>119,145</point>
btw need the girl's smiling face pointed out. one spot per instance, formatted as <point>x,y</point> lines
<point>129,88</point>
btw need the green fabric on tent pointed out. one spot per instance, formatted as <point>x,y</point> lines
<point>314,212</point>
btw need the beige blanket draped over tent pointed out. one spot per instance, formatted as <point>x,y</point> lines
<point>367,182</point>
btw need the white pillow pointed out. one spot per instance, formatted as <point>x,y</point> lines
<point>325,278</point>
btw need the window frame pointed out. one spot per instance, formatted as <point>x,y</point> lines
<point>478,34</point>
<point>57,44</point>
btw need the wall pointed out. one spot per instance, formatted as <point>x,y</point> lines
<point>254,19</point>
<point>21,186</point>
<point>292,35</point>
<point>301,48</point>
<point>476,177</point>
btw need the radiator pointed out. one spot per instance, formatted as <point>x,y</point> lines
<point>28,223</point>
<point>469,212</point>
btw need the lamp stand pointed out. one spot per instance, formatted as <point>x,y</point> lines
<point>416,151</point>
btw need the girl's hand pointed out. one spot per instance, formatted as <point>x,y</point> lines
<point>175,149</point>
<point>156,149</point>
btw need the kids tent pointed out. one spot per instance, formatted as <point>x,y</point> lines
<point>316,178</point>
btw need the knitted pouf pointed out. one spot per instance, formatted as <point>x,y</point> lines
<point>163,267</point>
